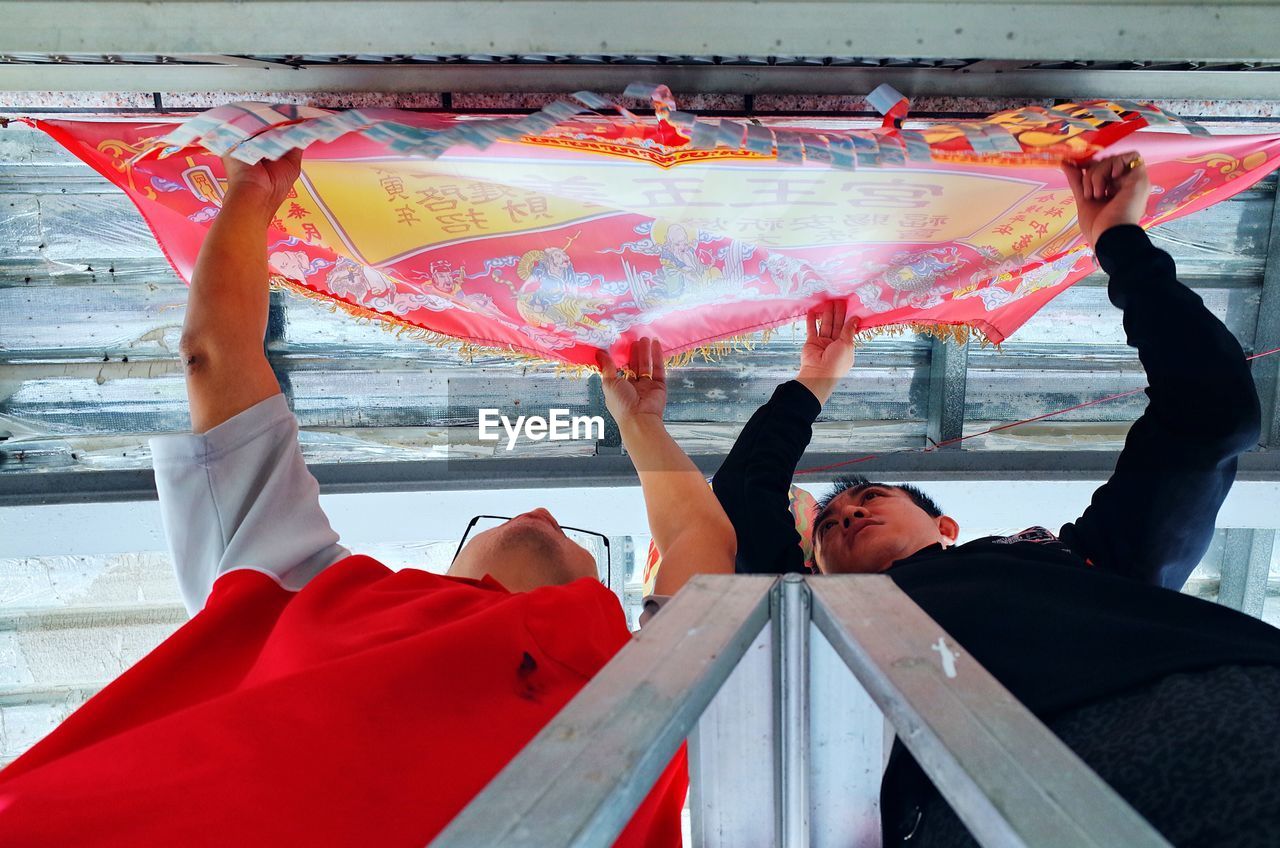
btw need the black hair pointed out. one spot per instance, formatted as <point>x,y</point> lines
<point>856,483</point>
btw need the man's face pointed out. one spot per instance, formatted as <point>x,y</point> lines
<point>525,553</point>
<point>864,531</point>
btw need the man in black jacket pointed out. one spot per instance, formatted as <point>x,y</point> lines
<point>1173,700</point>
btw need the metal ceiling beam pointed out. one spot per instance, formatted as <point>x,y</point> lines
<point>706,79</point>
<point>579,471</point>
<point>1043,29</point>
<point>948,379</point>
<point>1246,564</point>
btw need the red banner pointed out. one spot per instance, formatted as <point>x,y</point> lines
<point>552,238</point>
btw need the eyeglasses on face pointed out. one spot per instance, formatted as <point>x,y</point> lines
<point>587,539</point>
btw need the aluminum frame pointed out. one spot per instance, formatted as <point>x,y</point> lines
<point>706,79</point>
<point>68,487</point>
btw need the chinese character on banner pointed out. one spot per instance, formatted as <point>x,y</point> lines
<point>778,191</point>
<point>896,194</point>
<point>532,207</point>
<point>393,185</point>
<point>673,191</point>
<point>463,222</point>
<point>406,215</point>
<point>481,193</point>
<point>578,188</point>
<point>439,198</point>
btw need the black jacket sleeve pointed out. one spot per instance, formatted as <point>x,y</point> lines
<point>754,481</point>
<point>1154,519</point>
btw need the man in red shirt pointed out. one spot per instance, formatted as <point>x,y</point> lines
<point>317,697</point>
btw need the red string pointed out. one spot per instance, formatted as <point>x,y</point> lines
<point>959,439</point>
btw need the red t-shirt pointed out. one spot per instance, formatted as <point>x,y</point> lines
<point>366,709</point>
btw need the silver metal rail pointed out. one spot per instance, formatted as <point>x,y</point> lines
<point>792,618</point>
<point>1158,30</point>
<point>1258,470</point>
<point>178,75</point>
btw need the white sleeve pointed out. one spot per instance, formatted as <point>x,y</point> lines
<point>240,496</point>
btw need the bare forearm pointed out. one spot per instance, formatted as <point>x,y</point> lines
<point>688,525</point>
<point>226,367</point>
<point>227,304</point>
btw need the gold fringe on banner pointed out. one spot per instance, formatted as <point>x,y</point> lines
<point>391,324</point>
<point>710,352</point>
<point>715,351</point>
<point>955,333</point>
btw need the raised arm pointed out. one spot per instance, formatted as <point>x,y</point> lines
<point>226,367</point>
<point>237,493</point>
<point>754,481</point>
<point>1154,518</point>
<point>688,526</point>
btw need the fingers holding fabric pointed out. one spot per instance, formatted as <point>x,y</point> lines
<point>840,309</point>
<point>659,373</point>
<point>1105,177</point>
<point>828,321</point>
<point>609,371</point>
<point>828,352</point>
<point>268,182</point>
<point>1098,179</point>
<point>1109,191</point>
<point>642,362</point>
<point>826,317</point>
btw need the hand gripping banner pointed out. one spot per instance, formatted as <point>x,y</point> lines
<point>585,226</point>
